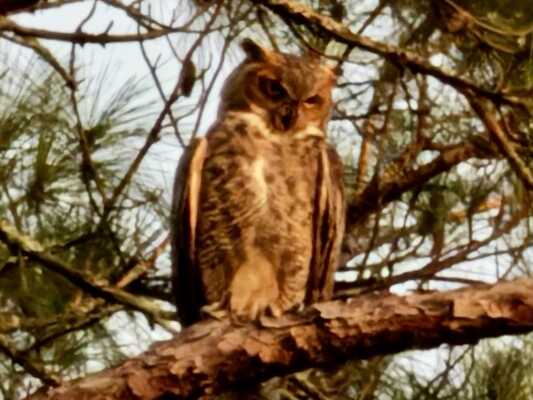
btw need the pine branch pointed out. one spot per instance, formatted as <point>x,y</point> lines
<point>486,112</point>
<point>386,188</point>
<point>212,356</point>
<point>298,13</point>
<point>103,38</point>
<point>31,248</point>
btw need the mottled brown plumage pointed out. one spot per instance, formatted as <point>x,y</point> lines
<point>258,212</point>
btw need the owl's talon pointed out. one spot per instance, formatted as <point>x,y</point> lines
<point>238,320</point>
<point>275,311</point>
<point>215,310</point>
<point>294,316</point>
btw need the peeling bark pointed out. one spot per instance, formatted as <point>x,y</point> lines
<point>212,356</point>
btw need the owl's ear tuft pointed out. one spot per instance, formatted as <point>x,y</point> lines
<point>312,55</point>
<point>334,71</point>
<point>253,51</point>
<point>337,70</point>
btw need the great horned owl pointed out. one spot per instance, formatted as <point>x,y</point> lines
<point>258,204</point>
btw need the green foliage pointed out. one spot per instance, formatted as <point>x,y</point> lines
<point>45,193</point>
<point>503,371</point>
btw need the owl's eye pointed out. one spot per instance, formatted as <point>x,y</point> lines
<point>313,100</point>
<point>272,88</point>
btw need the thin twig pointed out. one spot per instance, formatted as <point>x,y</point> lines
<point>31,367</point>
<point>301,14</point>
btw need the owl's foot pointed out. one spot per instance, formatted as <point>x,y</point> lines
<point>251,309</point>
<point>257,314</point>
<point>243,312</point>
<point>293,316</point>
<point>253,289</point>
<point>217,310</point>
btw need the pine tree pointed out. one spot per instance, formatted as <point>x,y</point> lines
<point>432,118</point>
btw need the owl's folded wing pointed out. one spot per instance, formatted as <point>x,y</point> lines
<point>186,281</point>
<point>328,226</point>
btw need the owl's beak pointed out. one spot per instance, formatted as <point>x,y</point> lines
<point>285,117</point>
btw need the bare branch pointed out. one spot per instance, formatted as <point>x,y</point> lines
<point>391,185</point>
<point>486,112</point>
<point>7,25</point>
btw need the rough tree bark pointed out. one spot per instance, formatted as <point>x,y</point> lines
<point>212,356</point>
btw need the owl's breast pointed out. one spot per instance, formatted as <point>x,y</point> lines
<point>257,198</point>
<point>253,179</point>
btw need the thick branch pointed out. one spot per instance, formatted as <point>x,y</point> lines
<point>214,355</point>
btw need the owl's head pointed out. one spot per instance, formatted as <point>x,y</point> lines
<point>288,92</point>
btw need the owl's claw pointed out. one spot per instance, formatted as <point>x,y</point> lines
<point>219,311</point>
<point>216,310</point>
<point>295,316</point>
<point>238,320</point>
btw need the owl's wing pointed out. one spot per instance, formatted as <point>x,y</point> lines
<point>328,225</point>
<point>186,280</point>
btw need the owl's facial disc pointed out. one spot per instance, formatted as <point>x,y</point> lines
<point>289,93</point>
<point>283,109</point>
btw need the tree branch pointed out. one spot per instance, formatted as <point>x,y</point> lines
<point>35,251</point>
<point>390,186</point>
<point>298,13</point>
<point>34,368</point>
<point>103,38</point>
<point>213,355</point>
<point>486,112</point>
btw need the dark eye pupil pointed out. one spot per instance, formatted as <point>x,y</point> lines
<point>313,100</point>
<point>272,88</point>
<point>275,88</point>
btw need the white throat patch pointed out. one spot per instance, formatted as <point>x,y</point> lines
<point>259,123</point>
